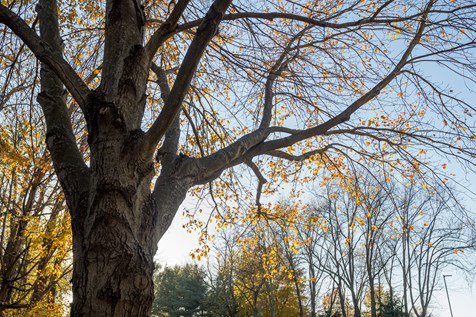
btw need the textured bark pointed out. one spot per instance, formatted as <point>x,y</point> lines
<point>115,276</point>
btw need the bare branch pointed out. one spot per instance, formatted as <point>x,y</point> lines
<point>345,115</point>
<point>279,66</point>
<point>311,21</point>
<point>252,144</point>
<point>261,181</point>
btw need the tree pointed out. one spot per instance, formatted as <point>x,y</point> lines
<point>180,291</point>
<point>382,245</point>
<point>221,270</point>
<point>391,307</point>
<point>264,284</point>
<point>221,301</point>
<point>35,239</point>
<point>273,81</point>
<point>433,233</point>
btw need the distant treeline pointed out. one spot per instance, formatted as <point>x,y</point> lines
<point>361,249</point>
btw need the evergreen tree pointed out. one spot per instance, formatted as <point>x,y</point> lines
<point>181,291</point>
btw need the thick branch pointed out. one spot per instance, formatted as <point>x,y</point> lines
<point>167,29</point>
<point>124,31</point>
<point>252,144</point>
<point>167,152</point>
<point>67,159</point>
<point>171,109</point>
<point>47,55</point>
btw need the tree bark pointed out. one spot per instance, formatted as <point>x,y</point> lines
<point>115,242</point>
<point>271,297</point>
<point>373,303</point>
<point>117,220</point>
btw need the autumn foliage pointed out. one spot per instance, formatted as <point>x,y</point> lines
<point>142,104</point>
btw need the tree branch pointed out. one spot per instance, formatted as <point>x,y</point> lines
<point>276,70</point>
<point>252,144</point>
<point>167,152</point>
<point>167,29</point>
<point>47,55</point>
<point>67,160</point>
<point>298,158</point>
<point>311,21</point>
<point>171,109</point>
<point>261,181</point>
<point>345,115</point>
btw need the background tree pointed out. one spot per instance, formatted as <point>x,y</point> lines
<point>383,245</point>
<point>368,244</point>
<point>221,272</point>
<point>180,291</point>
<point>35,239</point>
<point>262,282</point>
<point>390,307</point>
<point>313,83</point>
<point>273,266</point>
<point>432,230</point>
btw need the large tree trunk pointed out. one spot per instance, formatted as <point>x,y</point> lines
<point>117,220</point>
<point>113,224</point>
<point>115,276</point>
<point>113,244</point>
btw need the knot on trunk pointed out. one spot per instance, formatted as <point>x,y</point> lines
<point>141,281</point>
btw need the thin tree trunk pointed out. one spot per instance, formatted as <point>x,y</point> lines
<point>355,302</point>
<point>373,303</point>
<point>256,310</point>
<point>272,300</point>
<point>342,300</point>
